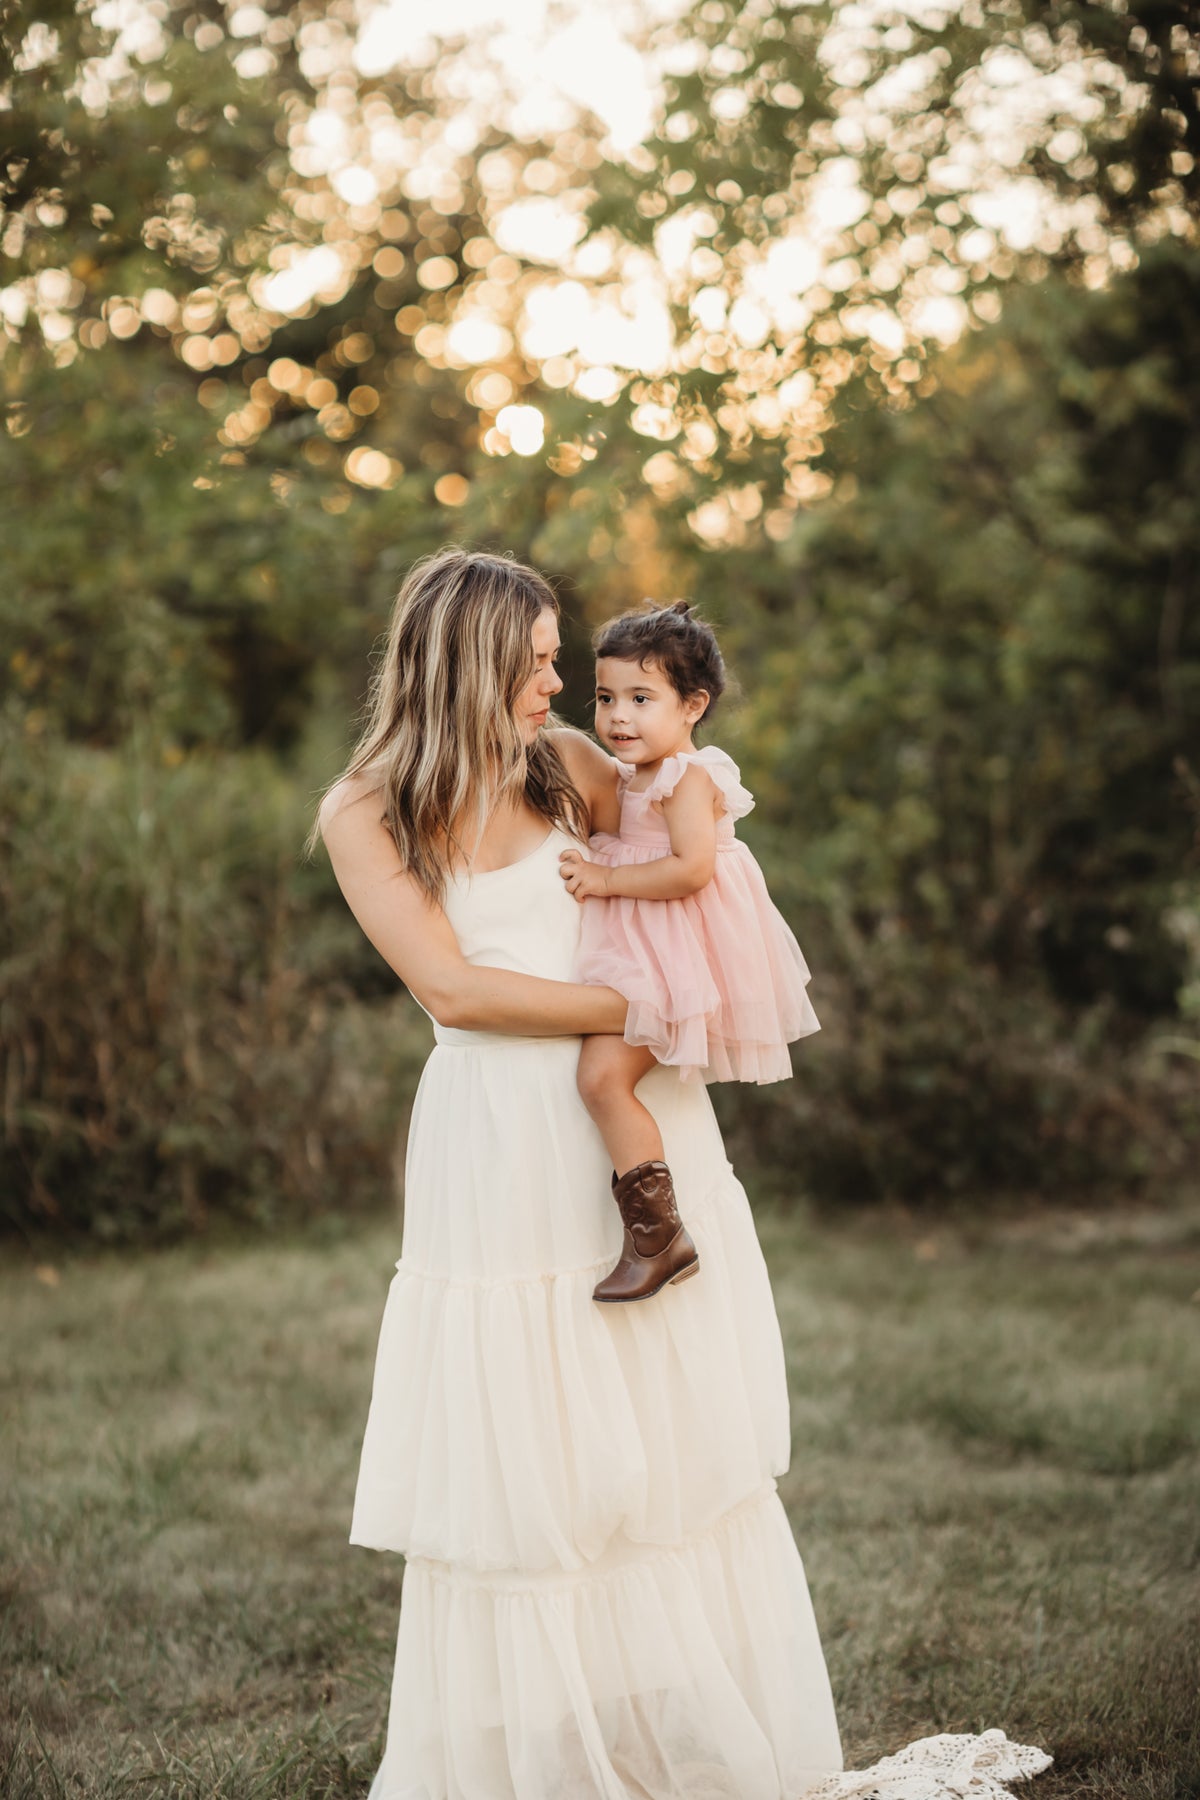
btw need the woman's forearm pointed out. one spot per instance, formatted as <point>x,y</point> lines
<point>501,1000</point>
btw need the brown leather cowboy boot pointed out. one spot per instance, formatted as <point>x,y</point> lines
<point>657,1248</point>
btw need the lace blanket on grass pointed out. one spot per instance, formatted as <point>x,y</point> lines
<point>930,1768</point>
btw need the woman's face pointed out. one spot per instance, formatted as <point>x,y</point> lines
<point>533,702</point>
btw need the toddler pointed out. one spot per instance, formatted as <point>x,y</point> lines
<point>680,923</point>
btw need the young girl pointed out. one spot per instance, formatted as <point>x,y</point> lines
<point>686,931</point>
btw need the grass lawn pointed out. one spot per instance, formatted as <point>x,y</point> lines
<point>997,1439</point>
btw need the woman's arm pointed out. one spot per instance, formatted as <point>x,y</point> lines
<point>415,938</point>
<point>690,813</point>
<point>594,774</point>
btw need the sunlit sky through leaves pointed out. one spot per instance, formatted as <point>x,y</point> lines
<point>529,66</point>
<point>566,85</point>
<point>575,51</point>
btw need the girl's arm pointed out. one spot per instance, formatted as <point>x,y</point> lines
<point>691,819</point>
<point>416,939</point>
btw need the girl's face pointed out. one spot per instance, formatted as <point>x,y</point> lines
<point>533,702</point>
<point>639,715</point>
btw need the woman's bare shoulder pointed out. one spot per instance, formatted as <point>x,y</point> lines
<point>362,849</point>
<point>343,801</point>
<point>587,764</point>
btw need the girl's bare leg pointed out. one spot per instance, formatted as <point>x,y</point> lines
<point>609,1070</point>
<point>657,1250</point>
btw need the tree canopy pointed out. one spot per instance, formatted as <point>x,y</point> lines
<point>881,345</point>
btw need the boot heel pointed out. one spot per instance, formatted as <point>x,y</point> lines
<point>692,1269</point>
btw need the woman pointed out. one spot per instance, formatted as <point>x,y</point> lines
<point>602,1597</point>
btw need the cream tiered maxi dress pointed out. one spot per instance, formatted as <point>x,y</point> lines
<point>602,1597</point>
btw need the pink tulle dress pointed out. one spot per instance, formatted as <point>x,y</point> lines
<point>716,982</point>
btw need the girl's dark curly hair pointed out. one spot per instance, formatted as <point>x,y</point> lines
<point>676,641</point>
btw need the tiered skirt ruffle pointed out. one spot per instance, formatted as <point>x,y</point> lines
<point>601,1588</point>
<point>602,1597</point>
<point>690,1670</point>
<point>517,1425</point>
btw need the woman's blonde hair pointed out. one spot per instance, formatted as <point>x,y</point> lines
<point>442,741</point>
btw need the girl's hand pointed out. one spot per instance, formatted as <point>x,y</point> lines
<point>583,878</point>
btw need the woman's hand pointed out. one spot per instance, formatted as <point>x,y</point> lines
<point>583,878</point>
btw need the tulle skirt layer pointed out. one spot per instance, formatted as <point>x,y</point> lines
<point>514,1423</point>
<point>602,1597</point>
<point>716,983</point>
<point>689,1672</point>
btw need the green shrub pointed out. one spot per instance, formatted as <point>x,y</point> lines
<point>193,1027</point>
<point>935,1079</point>
<point>192,1024</point>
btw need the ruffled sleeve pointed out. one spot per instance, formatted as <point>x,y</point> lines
<point>724,771</point>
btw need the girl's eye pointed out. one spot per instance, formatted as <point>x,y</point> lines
<point>638,699</point>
